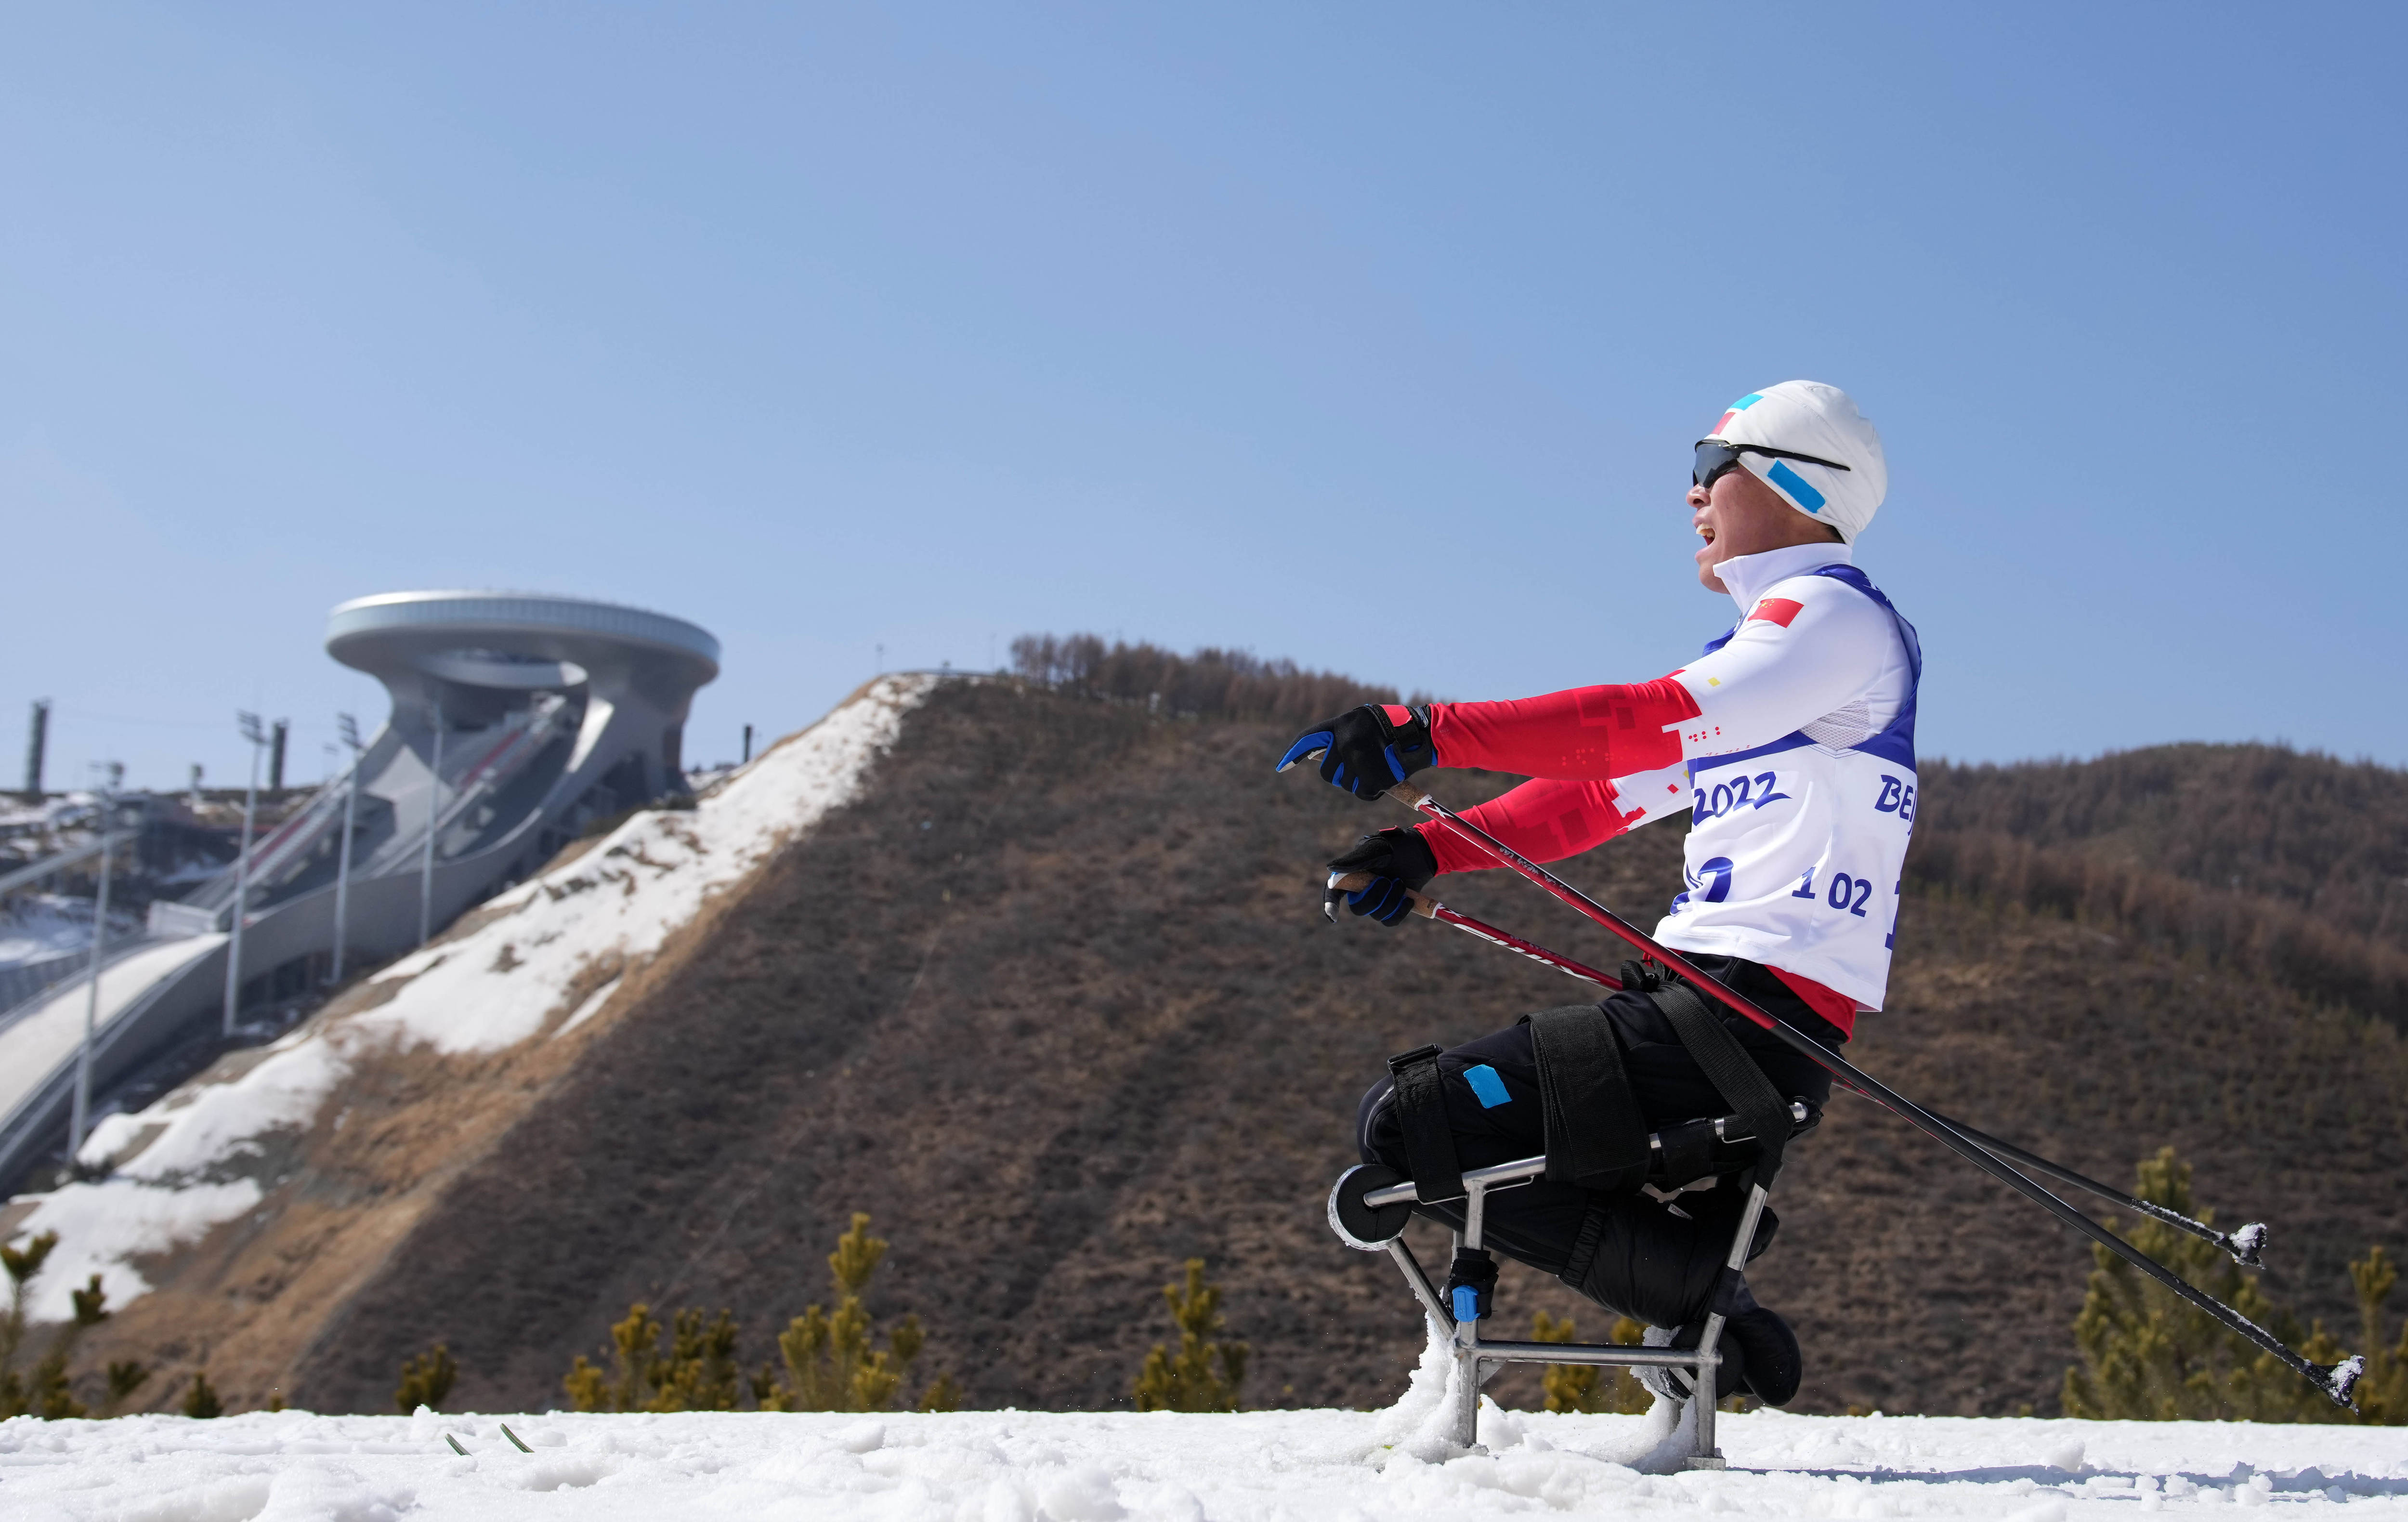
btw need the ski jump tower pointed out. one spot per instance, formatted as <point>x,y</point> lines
<point>542,713</point>
<point>518,720</point>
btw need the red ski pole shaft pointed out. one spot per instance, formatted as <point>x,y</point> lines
<point>1530,949</point>
<point>1430,909</point>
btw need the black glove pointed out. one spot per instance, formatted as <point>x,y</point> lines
<point>1365,753</point>
<point>1399,860</point>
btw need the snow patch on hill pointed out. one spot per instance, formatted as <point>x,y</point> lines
<point>1011,1466</point>
<point>529,956</point>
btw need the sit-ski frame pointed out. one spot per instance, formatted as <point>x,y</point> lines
<point>1471,1351</point>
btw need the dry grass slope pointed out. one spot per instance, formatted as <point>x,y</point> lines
<point>1054,999</point>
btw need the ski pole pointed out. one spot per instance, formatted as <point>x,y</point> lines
<point>2335,1380</point>
<point>1430,909</point>
<point>2244,1243</point>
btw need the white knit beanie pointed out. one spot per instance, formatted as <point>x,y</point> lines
<point>1807,417</point>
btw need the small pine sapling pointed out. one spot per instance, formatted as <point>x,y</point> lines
<point>944,1393</point>
<point>633,1341</point>
<point>43,1391</point>
<point>830,1362</point>
<point>24,1264</point>
<point>697,1373</point>
<point>1588,1387</point>
<point>2383,1390</point>
<point>47,1392</point>
<point>2148,1355</point>
<point>425,1380</point>
<point>201,1401</point>
<point>1204,1375</point>
<point>701,1373</point>
<point>125,1376</point>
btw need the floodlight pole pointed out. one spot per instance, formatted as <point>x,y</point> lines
<point>248,726</point>
<point>434,811</point>
<point>80,1119</point>
<point>349,730</point>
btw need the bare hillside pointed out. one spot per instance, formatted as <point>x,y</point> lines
<point>1054,1004</point>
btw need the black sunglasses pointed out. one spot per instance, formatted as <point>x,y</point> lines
<point>1715,458</point>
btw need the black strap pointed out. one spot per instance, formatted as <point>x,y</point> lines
<point>1734,1074</point>
<point>1596,1137</point>
<point>1429,1140</point>
<point>1474,1271</point>
<point>1689,1153</point>
<point>1584,1245</point>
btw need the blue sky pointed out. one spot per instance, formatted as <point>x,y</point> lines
<point>1374,335</point>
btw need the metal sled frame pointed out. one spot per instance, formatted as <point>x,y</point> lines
<point>1473,1353</point>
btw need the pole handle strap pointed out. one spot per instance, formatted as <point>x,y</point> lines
<point>1734,1074</point>
<point>1424,905</point>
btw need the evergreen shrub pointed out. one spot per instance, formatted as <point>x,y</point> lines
<point>425,1380</point>
<point>2149,1355</point>
<point>201,1400</point>
<point>1588,1387</point>
<point>829,1363</point>
<point>43,1391</point>
<point>1203,1375</point>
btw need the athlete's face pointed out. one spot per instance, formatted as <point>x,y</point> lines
<point>1741,515</point>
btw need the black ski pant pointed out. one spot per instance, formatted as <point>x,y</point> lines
<point>1634,1255</point>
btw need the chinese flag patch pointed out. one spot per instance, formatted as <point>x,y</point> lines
<point>1775,610</point>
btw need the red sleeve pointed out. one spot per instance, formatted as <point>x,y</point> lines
<point>1587,733</point>
<point>1545,820</point>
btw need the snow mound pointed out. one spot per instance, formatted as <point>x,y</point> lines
<point>1011,1466</point>
<point>547,954</point>
<point>1415,1429</point>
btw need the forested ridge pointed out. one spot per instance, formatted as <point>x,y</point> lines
<point>2251,859</point>
<point>2299,828</point>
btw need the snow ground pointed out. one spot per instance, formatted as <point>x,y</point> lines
<point>184,1165</point>
<point>1011,1466</point>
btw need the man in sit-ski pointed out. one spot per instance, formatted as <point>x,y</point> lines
<point>1791,742</point>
